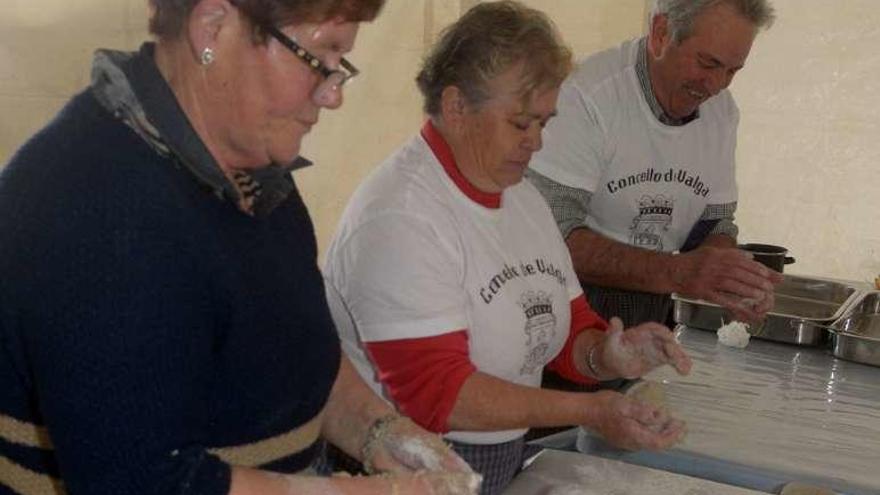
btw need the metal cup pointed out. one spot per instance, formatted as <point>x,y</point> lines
<point>773,257</point>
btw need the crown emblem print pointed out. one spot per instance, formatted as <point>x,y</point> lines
<point>657,205</point>
<point>536,303</point>
<point>652,222</point>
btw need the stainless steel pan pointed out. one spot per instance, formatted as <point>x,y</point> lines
<point>856,336</point>
<point>804,307</point>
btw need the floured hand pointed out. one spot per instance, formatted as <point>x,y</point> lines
<point>420,483</point>
<point>402,447</point>
<point>634,425</point>
<point>727,277</point>
<point>634,352</point>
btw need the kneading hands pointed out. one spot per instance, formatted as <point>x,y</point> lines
<point>634,352</point>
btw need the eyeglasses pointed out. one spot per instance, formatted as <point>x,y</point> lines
<point>333,78</point>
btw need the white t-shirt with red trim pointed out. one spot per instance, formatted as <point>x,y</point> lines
<point>650,182</point>
<point>419,252</point>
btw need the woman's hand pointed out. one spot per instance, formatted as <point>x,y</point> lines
<point>364,426</point>
<point>395,444</point>
<point>634,352</point>
<point>247,481</point>
<point>633,425</point>
<point>435,483</point>
<point>398,446</point>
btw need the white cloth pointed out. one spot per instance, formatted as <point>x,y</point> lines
<point>415,257</point>
<point>650,182</point>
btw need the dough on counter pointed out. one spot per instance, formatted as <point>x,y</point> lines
<point>654,394</point>
<point>734,334</point>
<point>649,392</point>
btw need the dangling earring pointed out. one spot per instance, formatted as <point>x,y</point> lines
<point>207,56</point>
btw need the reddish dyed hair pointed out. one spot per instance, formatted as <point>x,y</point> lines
<point>169,16</point>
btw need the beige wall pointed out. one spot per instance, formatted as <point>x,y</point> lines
<point>45,53</point>
<point>809,141</point>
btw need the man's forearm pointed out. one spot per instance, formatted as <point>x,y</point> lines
<point>601,261</point>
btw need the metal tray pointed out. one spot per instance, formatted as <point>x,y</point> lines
<point>804,307</point>
<point>856,336</point>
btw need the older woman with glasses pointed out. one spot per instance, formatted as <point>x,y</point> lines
<point>449,281</point>
<point>163,323</point>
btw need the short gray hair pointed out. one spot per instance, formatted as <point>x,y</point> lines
<point>682,13</point>
<point>486,41</point>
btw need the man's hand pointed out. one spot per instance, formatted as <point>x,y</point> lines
<point>633,425</point>
<point>634,352</point>
<point>727,277</point>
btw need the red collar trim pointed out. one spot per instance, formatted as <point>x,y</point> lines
<point>444,154</point>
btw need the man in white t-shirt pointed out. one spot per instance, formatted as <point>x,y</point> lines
<point>639,165</point>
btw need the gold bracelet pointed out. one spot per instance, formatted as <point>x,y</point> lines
<point>591,362</point>
<point>375,433</point>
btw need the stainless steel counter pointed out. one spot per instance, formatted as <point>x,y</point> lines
<point>765,415</point>
<point>555,472</point>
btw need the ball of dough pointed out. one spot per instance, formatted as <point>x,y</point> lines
<point>734,334</point>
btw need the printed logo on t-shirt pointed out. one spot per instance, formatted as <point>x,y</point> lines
<point>652,222</point>
<point>539,266</point>
<point>669,176</point>
<point>540,329</point>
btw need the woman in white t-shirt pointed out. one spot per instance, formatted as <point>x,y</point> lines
<point>449,281</point>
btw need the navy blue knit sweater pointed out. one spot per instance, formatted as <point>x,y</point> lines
<point>144,321</point>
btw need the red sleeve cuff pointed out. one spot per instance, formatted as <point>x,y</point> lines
<point>582,318</point>
<point>424,376</point>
